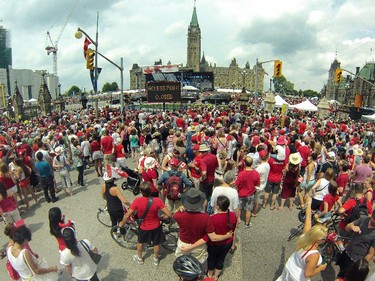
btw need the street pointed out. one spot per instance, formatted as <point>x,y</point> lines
<point>262,249</point>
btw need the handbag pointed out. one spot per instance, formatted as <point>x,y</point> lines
<point>94,256</point>
<point>12,272</point>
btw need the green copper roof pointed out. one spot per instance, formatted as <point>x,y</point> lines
<point>368,72</point>
<point>194,18</point>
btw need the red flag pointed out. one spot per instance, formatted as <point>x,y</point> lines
<point>86,46</point>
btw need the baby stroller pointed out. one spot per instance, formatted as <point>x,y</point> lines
<point>132,181</point>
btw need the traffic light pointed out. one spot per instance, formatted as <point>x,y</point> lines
<point>90,56</point>
<point>278,68</point>
<point>338,75</point>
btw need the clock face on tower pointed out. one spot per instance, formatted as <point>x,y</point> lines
<point>194,29</point>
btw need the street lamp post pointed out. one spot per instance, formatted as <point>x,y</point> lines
<point>120,67</point>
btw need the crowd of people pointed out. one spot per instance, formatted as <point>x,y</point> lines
<point>208,170</point>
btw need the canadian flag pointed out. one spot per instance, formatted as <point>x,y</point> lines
<point>86,46</point>
<point>114,172</point>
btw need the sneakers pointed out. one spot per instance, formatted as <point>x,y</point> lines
<point>248,225</point>
<point>137,259</point>
<point>156,261</point>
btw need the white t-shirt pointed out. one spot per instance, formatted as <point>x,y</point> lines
<point>229,192</point>
<point>263,169</point>
<point>83,268</point>
<point>85,145</point>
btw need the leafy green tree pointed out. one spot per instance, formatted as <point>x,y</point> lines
<point>283,86</point>
<point>74,90</point>
<point>310,93</point>
<point>110,87</point>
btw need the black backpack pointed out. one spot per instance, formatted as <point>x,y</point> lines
<point>360,210</point>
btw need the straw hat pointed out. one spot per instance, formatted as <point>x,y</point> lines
<point>295,158</point>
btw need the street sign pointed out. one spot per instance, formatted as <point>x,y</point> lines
<point>163,91</point>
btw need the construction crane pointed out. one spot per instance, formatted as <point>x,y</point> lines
<point>51,47</point>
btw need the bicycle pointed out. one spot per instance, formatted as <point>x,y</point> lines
<point>130,239</point>
<point>103,216</point>
<point>331,223</point>
<point>332,247</point>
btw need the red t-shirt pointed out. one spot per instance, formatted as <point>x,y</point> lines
<point>342,180</point>
<point>195,172</point>
<point>349,205</point>
<point>152,220</point>
<point>95,146</point>
<point>246,182</point>
<point>331,200</point>
<point>301,128</point>
<point>7,182</point>
<point>350,159</point>
<point>276,170</point>
<point>118,149</point>
<point>180,122</point>
<point>107,144</point>
<point>209,164</point>
<point>148,176</point>
<point>305,152</point>
<point>220,222</point>
<point>193,226</point>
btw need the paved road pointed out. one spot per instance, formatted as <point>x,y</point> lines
<point>261,253</point>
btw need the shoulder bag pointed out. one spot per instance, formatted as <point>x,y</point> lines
<point>50,276</point>
<point>149,203</point>
<point>94,256</point>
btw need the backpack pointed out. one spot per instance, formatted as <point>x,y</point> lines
<point>174,186</point>
<point>360,210</point>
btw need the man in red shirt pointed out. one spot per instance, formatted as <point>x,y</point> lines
<point>195,167</point>
<point>196,227</point>
<point>209,163</point>
<point>106,144</point>
<point>273,183</point>
<point>305,152</point>
<point>246,184</point>
<point>150,230</point>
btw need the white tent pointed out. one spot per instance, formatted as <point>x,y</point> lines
<point>369,117</point>
<point>189,88</point>
<point>279,101</point>
<point>304,106</point>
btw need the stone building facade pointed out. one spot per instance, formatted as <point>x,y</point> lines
<point>351,85</point>
<point>230,77</point>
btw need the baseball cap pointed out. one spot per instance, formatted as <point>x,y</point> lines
<point>263,154</point>
<point>173,162</point>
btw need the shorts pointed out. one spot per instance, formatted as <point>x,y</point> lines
<point>25,183</point>
<point>155,236</point>
<point>247,203</point>
<point>97,155</point>
<point>258,196</point>
<point>200,252</point>
<point>272,187</point>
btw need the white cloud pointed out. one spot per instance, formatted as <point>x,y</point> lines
<point>304,34</point>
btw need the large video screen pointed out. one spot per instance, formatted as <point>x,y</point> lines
<point>201,80</point>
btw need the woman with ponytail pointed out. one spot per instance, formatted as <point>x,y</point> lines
<point>56,224</point>
<point>76,258</point>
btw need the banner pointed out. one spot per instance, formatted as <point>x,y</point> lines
<point>94,80</point>
<point>160,68</point>
<point>86,46</point>
<point>358,100</point>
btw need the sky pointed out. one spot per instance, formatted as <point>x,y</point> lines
<point>306,35</point>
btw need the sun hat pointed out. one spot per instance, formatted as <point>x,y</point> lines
<point>149,163</point>
<point>295,158</point>
<point>193,199</point>
<point>331,155</point>
<point>281,140</point>
<point>204,148</point>
<point>58,150</point>
<point>359,152</point>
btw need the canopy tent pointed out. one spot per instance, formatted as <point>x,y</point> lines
<point>190,88</point>
<point>304,106</point>
<point>369,117</point>
<point>279,101</point>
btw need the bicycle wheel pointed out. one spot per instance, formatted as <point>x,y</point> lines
<point>129,240</point>
<point>327,251</point>
<point>296,232</point>
<point>171,237</point>
<point>103,217</point>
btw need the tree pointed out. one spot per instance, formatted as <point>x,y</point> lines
<point>110,87</point>
<point>283,86</point>
<point>74,90</point>
<point>310,93</point>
